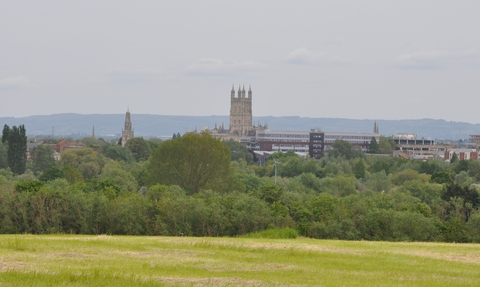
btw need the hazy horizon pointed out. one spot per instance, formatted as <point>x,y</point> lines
<point>227,115</point>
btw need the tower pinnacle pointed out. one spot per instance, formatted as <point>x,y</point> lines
<point>127,132</point>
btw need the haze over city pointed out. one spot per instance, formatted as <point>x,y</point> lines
<point>341,59</point>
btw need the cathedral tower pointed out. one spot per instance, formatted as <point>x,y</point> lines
<point>127,132</point>
<point>240,112</point>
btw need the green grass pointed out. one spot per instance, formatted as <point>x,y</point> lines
<point>285,233</point>
<point>70,260</point>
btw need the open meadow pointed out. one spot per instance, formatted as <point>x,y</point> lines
<point>72,260</point>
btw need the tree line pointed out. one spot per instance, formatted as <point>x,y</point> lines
<point>201,186</point>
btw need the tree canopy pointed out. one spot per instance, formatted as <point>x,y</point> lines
<point>239,151</point>
<point>373,148</point>
<point>42,158</point>
<point>386,145</point>
<point>139,148</point>
<point>193,162</point>
<point>344,148</point>
<point>16,140</point>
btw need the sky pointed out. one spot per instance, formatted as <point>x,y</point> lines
<point>337,59</point>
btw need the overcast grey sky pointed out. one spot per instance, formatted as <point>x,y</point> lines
<point>341,59</point>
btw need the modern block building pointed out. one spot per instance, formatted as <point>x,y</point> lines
<point>359,139</point>
<point>465,154</point>
<point>316,147</point>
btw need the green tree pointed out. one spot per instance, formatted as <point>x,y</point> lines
<point>454,158</point>
<point>338,186</point>
<point>380,165</point>
<point>123,179</point>
<point>93,142</point>
<point>139,148</point>
<point>373,148</point>
<point>346,149</point>
<point>474,169</point>
<point>42,158</point>
<point>470,197</point>
<point>461,165</point>
<point>378,181</point>
<point>441,177</point>
<point>193,161</point>
<point>51,174</point>
<point>16,139</point>
<point>75,157</point>
<point>3,155</point>
<point>359,169</point>
<point>239,151</point>
<point>270,193</point>
<point>71,174</point>
<point>154,143</point>
<point>386,145</point>
<point>117,152</point>
<point>406,175</point>
<point>89,170</point>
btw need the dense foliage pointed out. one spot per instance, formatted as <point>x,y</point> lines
<point>16,140</point>
<point>195,185</point>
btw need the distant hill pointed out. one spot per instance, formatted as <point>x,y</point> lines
<point>77,125</point>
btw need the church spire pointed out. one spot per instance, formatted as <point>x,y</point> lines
<point>127,132</point>
<point>93,132</point>
<point>128,122</point>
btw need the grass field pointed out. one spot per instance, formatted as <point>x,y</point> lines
<point>71,260</point>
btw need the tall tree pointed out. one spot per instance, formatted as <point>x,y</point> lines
<point>117,152</point>
<point>373,148</point>
<point>470,196</point>
<point>454,158</point>
<point>16,139</point>
<point>359,169</point>
<point>386,145</point>
<point>238,151</point>
<point>139,148</point>
<point>42,158</point>
<point>193,162</point>
<point>346,149</point>
<point>3,155</point>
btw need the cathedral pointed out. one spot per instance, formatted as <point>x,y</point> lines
<point>241,123</point>
<point>127,132</point>
<point>240,112</point>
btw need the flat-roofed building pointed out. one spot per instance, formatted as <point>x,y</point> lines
<point>475,139</point>
<point>317,143</point>
<point>282,140</point>
<point>359,139</point>
<point>410,146</point>
<point>462,153</point>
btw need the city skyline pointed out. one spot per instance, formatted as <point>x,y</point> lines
<point>356,60</point>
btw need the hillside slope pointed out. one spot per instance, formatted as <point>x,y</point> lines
<point>160,125</point>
